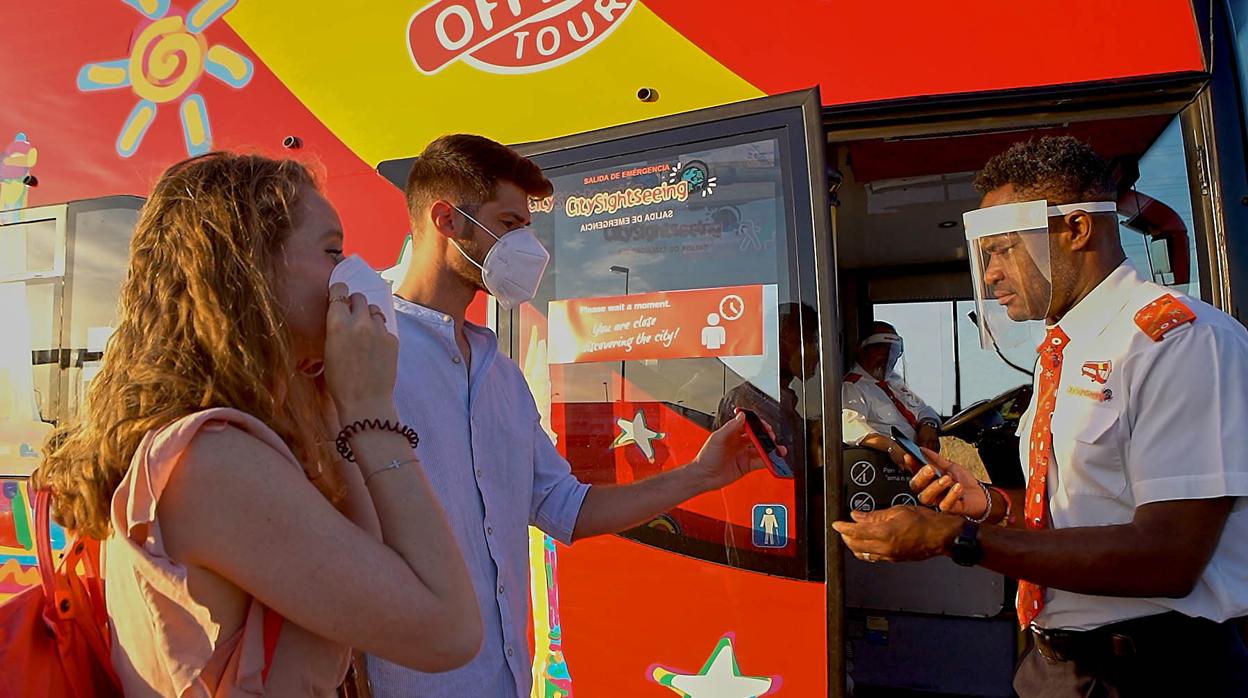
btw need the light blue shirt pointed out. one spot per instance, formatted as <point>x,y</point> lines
<point>495,471</point>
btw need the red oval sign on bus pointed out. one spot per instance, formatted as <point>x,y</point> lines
<point>509,36</point>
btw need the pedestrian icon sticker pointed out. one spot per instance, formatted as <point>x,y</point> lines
<point>714,335</point>
<point>771,525</point>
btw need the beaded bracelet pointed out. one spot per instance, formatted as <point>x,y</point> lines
<point>343,442</point>
<point>987,510</point>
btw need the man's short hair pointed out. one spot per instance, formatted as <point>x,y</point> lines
<point>466,170</point>
<point>1062,169</point>
<point>881,327</point>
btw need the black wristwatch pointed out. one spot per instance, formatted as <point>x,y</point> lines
<point>965,549</point>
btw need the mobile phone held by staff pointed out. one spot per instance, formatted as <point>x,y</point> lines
<point>766,447</point>
<point>913,449</point>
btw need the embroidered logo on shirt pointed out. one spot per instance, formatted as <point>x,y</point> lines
<point>1097,370</point>
<point>1098,395</point>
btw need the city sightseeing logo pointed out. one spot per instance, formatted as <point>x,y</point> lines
<point>510,36</point>
<point>168,57</point>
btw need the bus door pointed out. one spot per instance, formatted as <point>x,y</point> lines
<point>61,268</point>
<point>932,627</point>
<point>690,274</point>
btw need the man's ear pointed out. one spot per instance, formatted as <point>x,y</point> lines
<point>442,218</point>
<point>1082,225</point>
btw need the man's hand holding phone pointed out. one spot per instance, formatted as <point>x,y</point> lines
<point>763,438</point>
<point>733,451</point>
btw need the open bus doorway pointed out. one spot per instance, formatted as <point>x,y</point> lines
<point>933,628</point>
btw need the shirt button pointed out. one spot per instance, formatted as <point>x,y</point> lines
<point>446,318</point>
<point>509,652</point>
<point>479,473</point>
<point>500,589</point>
<point>455,360</point>
<point>489,531</point>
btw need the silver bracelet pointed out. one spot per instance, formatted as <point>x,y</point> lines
<point>988,509</point>
<point>392,465</point>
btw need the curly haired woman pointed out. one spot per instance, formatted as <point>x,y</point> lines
<point>204,456</point>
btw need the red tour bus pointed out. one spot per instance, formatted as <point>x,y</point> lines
<point>739,193</point>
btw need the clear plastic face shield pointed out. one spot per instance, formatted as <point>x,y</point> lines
<point>1010,267</point>
<point>895,348</point>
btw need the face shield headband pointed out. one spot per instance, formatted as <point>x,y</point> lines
<point>1010,265</point>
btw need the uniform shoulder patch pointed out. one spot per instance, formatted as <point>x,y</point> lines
<point>1162,315</point>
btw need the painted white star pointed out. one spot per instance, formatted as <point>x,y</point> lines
<point>635,431</point>
<point>720,677</point>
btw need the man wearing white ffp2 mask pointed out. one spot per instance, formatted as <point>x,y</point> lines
<point>512,269</point>
<point>875,398</point>
<point>490,461</point>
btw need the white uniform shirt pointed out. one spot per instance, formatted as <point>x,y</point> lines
<point>1139,421</point>
<point>866,409</point>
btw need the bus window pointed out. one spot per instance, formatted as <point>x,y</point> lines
<point>31,267</point>
<point>1163,186</point>
<point>985,373</point>
<point>673,296</point>
<point>927,362</point>
<point>101,242</point>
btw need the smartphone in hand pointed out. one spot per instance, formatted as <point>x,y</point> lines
<point>763,442</point>
<point>909,446</point>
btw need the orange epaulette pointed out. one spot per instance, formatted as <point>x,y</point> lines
<point>1162,315</point>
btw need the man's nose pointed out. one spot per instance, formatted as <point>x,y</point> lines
<point>995,273</point>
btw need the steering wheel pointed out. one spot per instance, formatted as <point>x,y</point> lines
<point>982,408</point>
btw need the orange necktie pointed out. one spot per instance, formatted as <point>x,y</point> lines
<point>1036,508</point>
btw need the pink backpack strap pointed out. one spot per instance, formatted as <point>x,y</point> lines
<point>74,600</point>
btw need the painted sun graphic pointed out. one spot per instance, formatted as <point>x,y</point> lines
<point>169,56</point>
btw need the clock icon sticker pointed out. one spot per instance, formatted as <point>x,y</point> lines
<point>731,307</point>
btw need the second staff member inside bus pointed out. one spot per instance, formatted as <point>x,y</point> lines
<point>497,471</point>
<point>875,398</point>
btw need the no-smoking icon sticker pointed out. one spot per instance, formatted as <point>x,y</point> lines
<point>731,307</point>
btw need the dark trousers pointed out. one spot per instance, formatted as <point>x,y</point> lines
<point>1165,655</point>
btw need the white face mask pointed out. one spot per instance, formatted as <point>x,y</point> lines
<point>360,278</point>
<point>513,267</point>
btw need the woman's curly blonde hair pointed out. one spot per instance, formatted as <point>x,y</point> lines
<point>200,326</point>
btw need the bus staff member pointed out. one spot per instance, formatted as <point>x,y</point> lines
<point>1134,554</point>
<point>875,398</point>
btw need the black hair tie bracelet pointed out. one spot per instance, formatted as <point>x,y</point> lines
<point>343,442</point>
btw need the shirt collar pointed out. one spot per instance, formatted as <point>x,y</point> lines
<point>436,318</point>
<point>420,312</point>
<point>1092,314</point>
